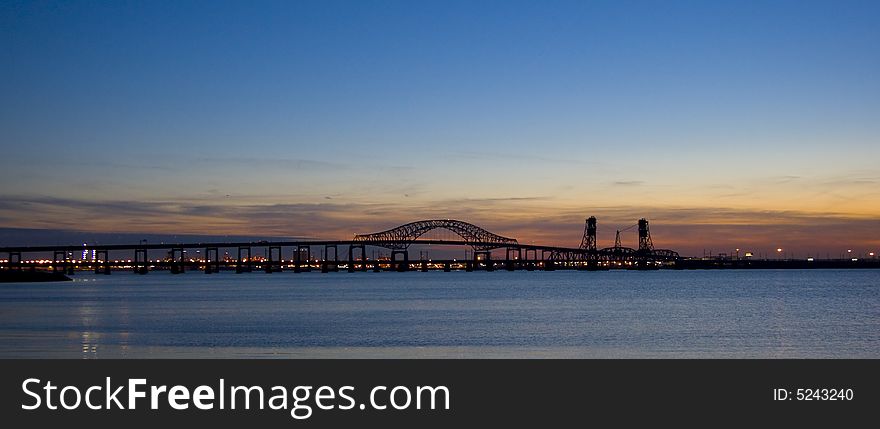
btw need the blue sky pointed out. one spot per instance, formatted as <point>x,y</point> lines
<point>366,113</point>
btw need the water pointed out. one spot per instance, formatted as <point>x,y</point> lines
<point>617,314</point>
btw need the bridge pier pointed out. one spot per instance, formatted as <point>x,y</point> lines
<point>351,257</point>
<point>273,265</point>
<point>141,264</point>
<point>63,263</point>
<point>17,257</point>
<point>376,267</point>
<point>209,260</point>
<point>59,263</point>
<point>402,265</point>
<point>325,264</point>
<point>532,262</point>
<point>447,267</point>
<point>424,266</point>
<point>243,266</point>
<point>297,258</point>
<point>177,265</point>
<point>487,258</point>
<point>510,265</point>
<point>102,262</point>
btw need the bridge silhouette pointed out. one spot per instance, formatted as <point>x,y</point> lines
<point>398,240</point>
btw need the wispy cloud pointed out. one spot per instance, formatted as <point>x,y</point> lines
<point>784,179</point>
<point>520,157</point>
<point>269,162</point>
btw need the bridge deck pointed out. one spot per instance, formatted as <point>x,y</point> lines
<point>202,245</point>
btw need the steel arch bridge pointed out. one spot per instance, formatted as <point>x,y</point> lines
<point>403,236</point>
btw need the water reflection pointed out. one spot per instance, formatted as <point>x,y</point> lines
<point>817,313</point>
<point>89,344</point>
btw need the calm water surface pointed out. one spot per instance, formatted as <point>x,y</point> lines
<point>786,313</point>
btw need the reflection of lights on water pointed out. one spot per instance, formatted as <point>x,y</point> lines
<point>89,344</point>
<point>89,340</point>
<point>123,342</point>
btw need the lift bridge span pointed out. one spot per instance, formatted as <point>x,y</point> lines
<point>482,243</point>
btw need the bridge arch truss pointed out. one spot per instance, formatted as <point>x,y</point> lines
<point>403,236</point>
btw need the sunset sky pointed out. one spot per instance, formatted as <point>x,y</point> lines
<point>726,123</point>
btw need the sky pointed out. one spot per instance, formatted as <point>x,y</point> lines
<point>727,124</point>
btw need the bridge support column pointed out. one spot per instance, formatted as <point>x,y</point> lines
<point>402,265</point>
<point>592,263</point>
<point>487,259</point>
<point>297,258</point>
<point>364,259</point>
<point>70,267</point>
<point>14,258</point>
<point>376,267</point>
<point>424,266</point>
<point>273,265</point>
<point>59,263</point>
<point>509,264</point>
<point>351,259</point>
<point>102,262</point>
<point>243,265</point>
<point>177,260</point>
<point>533,261</point>
<point>212,260</point>
<point>326,266</point>
<point>141,263</point>
<point>447,266</point>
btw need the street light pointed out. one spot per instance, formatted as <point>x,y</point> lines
<point>778,252</point>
